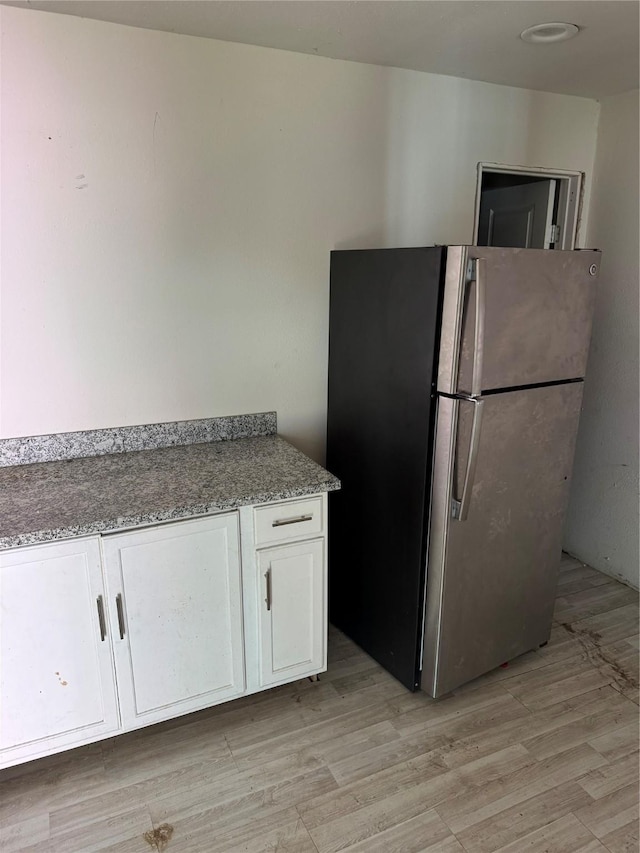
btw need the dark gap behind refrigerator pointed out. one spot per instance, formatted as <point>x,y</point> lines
<point>384,339</point>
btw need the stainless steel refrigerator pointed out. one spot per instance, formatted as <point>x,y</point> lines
<point>455,386</point>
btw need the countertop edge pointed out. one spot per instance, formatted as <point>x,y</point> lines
<point>107,526</point>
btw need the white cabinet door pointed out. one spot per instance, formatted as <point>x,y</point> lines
<point>56,669</point>
<point>176,617</point>
<point>292,594</point>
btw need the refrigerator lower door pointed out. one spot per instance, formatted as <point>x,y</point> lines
<point>514,317</point>
<point>501,477</point>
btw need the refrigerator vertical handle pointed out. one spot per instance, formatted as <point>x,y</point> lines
<point>460,508</point>
<point>477,273</point>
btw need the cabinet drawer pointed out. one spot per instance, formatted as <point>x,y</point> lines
<point>290,520</point>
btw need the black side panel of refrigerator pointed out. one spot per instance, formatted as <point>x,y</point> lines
<point>384,327</point>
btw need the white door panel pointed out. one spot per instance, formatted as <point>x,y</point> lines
<point>180,617</point>
<point>292,614</point>
<point>519,217</point>
<point>57,677</point>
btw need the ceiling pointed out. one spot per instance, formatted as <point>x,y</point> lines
<point>478,40</point>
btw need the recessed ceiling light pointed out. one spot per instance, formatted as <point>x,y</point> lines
<point>547,33</point>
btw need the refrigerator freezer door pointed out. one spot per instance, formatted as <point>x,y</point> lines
<point>515,317</point>
<point>492,577</point>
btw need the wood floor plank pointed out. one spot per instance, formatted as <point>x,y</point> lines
<point>383,689</point>
<point>349,798</point>
<point>467,809</point>
<point>182,761</point>
<point>619,711</point>
<point>276,707</point>
<point>173,746</point>
<point>353,744</point>
<point>610,812</point>
<point>594,846</point>
<point>618,660</point>
<point>293,710</point>
<point>288,742</point>
<point>592,602</point>
<point>282,783</point>
<point>26,833</point>
<point>415,711</point>
<point>437,784</point>
<point>222,829</point>
<point>352,682</point>
<point>92,836</point>
<point>535,724</point>
<point>522,819</point>
<point>359,826</point>
<point>624,663</point>
<point>427,739</point>
<point>118,792</point>
<point>557,682</point>
<point>565,835</point>
<point>372,809</point>
<point>631,693</point>
<point>619,623</point>
<point>425,832</point>
<point>137,844</point>
<point>347,667</point>
<point>285,836</point>
<point>578,582</point>
<point>618,743</point>
<point>623,840</point>
<point>50,784</point>
<point>604,780</point>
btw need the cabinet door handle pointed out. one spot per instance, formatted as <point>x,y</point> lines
<point>280,522</point>
<point>101,619</point>
<point>120,610</point>
<point>268,598</point>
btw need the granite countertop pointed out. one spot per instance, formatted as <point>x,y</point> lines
<point>47,501</point>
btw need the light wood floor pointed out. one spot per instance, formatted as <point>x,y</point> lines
<point>539,756</point>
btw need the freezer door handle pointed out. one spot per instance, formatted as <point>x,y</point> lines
<point>477,275</point>
<point>460,508</point>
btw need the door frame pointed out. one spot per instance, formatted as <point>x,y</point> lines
<point>570,189</point>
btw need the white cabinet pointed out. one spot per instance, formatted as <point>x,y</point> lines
<point>56,671</point>
<point>107,634</point>
<point>176,617</point>
<point>292,611</point>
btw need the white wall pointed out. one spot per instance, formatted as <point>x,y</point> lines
<point>603,519</point>
<point>169,204</point>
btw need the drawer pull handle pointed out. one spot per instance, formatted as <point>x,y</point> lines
<point>101,619</point>
<point>280,522</point>
<point>268,598</point>
<point>120,610</point>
